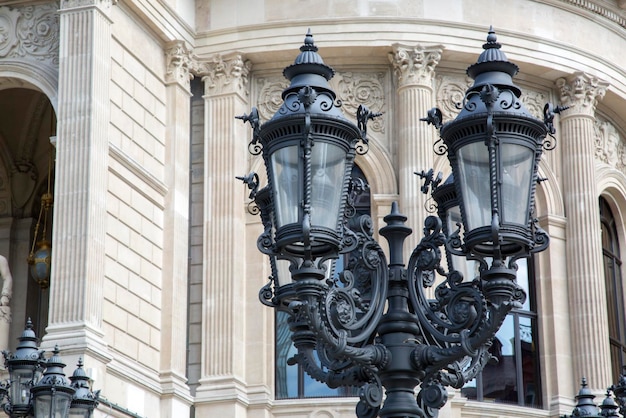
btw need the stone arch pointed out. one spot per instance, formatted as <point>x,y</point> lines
<point>19,74</point>
<point>549,197</point>
<point>612,187</point>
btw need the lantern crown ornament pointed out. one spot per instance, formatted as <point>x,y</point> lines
<point>356,316</point>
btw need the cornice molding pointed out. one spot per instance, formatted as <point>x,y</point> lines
<point>595,8</point>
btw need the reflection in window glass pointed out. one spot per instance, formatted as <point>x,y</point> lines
<point>513,375</point>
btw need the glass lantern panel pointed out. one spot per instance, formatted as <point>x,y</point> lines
<point>21,382</point>
<point>287,187</point>
<point>517,169</point>
<point>76,412</point>
<point>48,406</point>
<point>328,166</point>
<point>473,167</point>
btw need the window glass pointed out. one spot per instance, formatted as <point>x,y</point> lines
<point>614,290</point>
<point>513,374</point>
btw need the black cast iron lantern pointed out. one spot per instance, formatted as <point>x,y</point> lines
<point>494,146</point>
<point>84,400</point>
<point>308,148</point>
<point>25,369</point>
<point>375,324</point>
<point>52,394</point>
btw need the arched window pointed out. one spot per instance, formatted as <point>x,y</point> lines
<point>291,379</point>
<point>614,291</point>
<point>513,376</point>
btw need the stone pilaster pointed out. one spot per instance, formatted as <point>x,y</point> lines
<point>585,272</point>
<point>176,399</point>
<point>414,70</point>
<point>222,370</point>
<point>76,289</point>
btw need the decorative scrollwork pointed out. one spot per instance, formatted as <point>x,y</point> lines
<point>254,146</point>
<point>356,296</point>
<point>439,147</point>
<point>266,293</point>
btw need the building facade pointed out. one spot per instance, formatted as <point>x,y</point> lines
<point>124,111</point>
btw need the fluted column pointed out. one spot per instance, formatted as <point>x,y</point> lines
<point>222,366</point>
<point>414,70</point>
<point>177,399</point>
<point>77,277</point>
<point>588,313</point>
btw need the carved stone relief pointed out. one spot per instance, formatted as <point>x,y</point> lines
<point>225,74</point>
<point>30,33</point>
<point>610,146</point>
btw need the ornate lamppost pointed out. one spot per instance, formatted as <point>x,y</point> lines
<point>37,387</point>
<point>373,324</point>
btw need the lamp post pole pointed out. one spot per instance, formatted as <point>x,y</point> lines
<point>371,322</point>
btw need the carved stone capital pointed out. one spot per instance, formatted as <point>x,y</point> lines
<point>73,4</point>
<point>415,65</point>
<point>224,74</point>
<point>179,61</point>
<point>31,33</point>
<point>581,92</point>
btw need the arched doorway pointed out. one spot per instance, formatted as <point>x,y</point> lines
<point>27,130</point>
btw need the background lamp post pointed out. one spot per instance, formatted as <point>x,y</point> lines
<point>372,324</point>
<point>29,393</point>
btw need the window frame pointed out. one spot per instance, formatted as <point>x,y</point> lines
<point>613,281</point>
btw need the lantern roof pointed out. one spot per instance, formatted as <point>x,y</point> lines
<point>308,68</point>
<point>493,67</point>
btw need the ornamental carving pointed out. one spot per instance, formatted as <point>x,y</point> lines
<point>609,145</point>
<point>534,102</point>
<point>450,94</point>
<point>414,65</point>
<point>179,61</point>
<point>225,74</point>
<point>355,89</point>
<point>30,33</point>
<point>581,92</point>
<point>270,99</point>
<point>102,4</point>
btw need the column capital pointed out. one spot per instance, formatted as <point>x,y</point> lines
<point>415,65</point>
<point>179,62</point>
<point>74,4</point>
<point>581,92</point>
<point>225,74</point>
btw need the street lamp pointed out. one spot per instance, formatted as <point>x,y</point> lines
<point>586,407</point>
<point>372,324</point>
<point>37,387</point>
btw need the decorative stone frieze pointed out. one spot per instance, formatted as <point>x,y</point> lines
<point>414,64</point>
<point>179,63</point>
<point>225,74</point>
<point>362,88</point>
<point>450,94</point>
<point>581,92</point>
<point>269,94</point>
<point>71,4</point>
<point>610,147</point>
<point>30,33</point>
